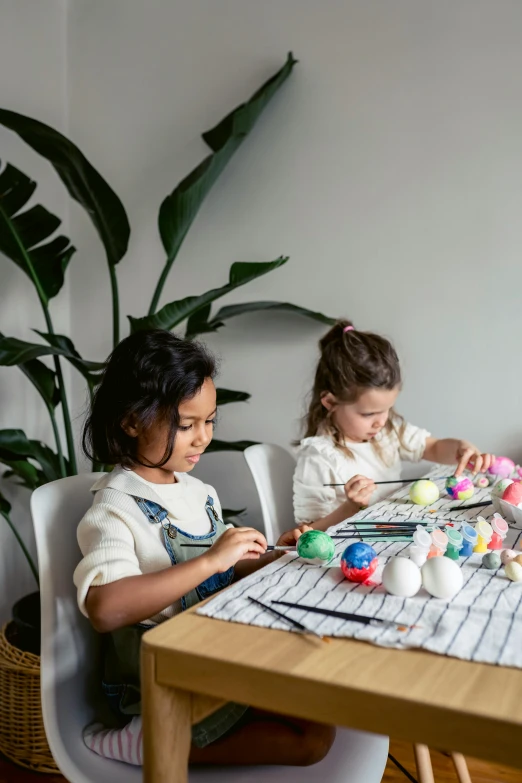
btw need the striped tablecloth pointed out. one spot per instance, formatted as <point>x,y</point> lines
<point>482,623</point>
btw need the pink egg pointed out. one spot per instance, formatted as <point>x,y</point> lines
<point>502,467</point>
<point>506,555</point>
<point>513,493</point>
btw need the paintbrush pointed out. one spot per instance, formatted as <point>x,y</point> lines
<point>399,481</point>
<point>395,523</point>
<point>376,534</point>
<point>268,549</point>
<point>289,620</point>
<point>472,505</point>
<point>390,531</point>
<point>356,618</point>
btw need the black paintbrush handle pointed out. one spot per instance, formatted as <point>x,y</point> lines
<point>282,616</point>
<point>358,618</point>
<point>399,481</point>
<point>472,505</point>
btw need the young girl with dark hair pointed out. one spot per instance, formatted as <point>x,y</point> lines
<point>152,417</point>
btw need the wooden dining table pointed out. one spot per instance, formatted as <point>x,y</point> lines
<point>192,664</point>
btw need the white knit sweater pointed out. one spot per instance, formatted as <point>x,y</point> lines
<point>116,538</point>
<point>320,462</point>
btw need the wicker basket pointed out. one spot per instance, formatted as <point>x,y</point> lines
<point>22,734</point>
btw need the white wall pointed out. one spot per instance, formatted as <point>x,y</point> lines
<point>389,168</point>
<point>32,81</point>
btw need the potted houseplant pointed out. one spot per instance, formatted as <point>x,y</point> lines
<point>28,237</point>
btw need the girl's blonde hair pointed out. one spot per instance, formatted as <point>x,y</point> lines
<point>351,362</point>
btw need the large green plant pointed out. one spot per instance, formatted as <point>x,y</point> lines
<point>28,237</point>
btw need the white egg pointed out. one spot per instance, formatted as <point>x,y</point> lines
<point>401,577</point>
<point>418,555</point>
<point>442,577</point>
<point>500,487</point>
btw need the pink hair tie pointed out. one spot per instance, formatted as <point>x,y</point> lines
<point>348,329</point>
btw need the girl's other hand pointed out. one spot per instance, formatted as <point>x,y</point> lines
<point>359,490</point>
<point>289,537</point>
<point>244,543</point>
<point>468,456</point>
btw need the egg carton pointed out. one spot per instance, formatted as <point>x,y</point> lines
<point>511,513</point>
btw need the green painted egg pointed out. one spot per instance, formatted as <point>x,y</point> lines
<point>314,545</point>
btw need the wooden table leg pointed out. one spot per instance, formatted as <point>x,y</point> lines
<point>423,763</point>
<point>167,718</point>
<point>461,768</point>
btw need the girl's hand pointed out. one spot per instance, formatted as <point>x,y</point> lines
<point>290,537</point>
<point>243,543</point>
<point>359,490</point>
<point>468,456</point>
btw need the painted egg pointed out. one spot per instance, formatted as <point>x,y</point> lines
<point>491,560</point>
<point>513,493</point>
<point>358,562</point>
<point>500,487</point>
<point>507,555</point>
<point>315,546</point>
<point>424,492</point>
<point>502,467</point>
<point>442,577</point>
<point>514,571</point>
<point>459,487</point>
<point>482,482</point>
<point>401,577</point>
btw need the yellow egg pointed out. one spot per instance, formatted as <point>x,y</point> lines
<point>514,571</point>
<point>424,492</point>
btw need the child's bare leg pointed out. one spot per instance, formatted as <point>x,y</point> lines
<point>266,738</point>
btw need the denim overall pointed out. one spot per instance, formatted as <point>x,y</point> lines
<point>121,680</point>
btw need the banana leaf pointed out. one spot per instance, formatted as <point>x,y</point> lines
<point>201,326</point>
<point>23,235</point>
<point>228,445</point>
<point>5,511</point>
<point>225,396</point>
<point>16,448</point>
<point>20,352</point>
<point>180,208</point>
<point>90,370</point>
<point>43,379</point>
<point>176,312</point>
<point>83,182</point>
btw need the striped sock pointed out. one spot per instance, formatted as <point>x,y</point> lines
<point>120,744</point>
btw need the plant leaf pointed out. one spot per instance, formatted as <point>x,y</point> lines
<point>225,396</point>
<point>174,313</point>
<point>14,351</point>
<point>22,469</point>
<point>16,449</point>
<point>81,179</point>
<point>5,511</point>
<point>229,445</point>
<point>231,311</point>
<point>22,235</point>
<point>198,322</point>
<point>89,370</point>
<point>180,208</point>
<point>242,119</point>
<point>43,379</point>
